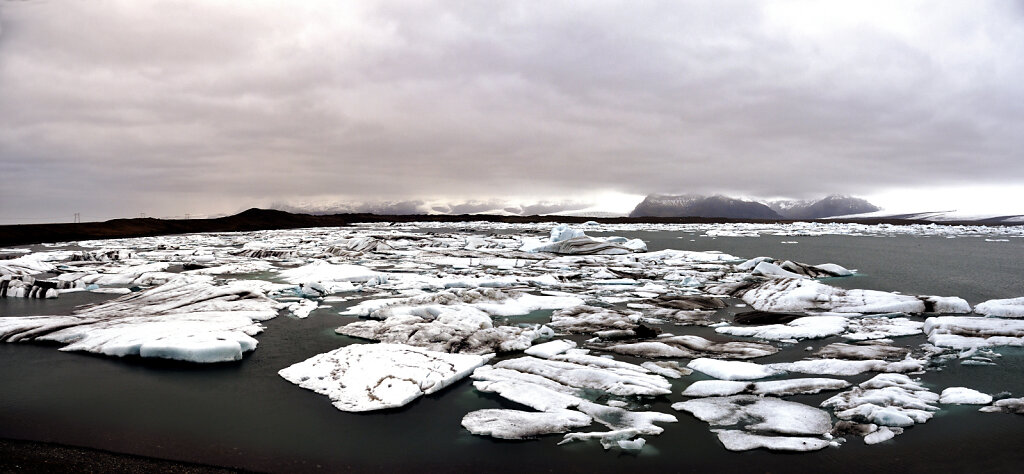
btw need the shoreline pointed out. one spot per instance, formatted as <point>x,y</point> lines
<point>264,219</point>
<point>36,456</point>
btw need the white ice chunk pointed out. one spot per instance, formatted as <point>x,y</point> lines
<point>811,327</point>
<point>722,388</point>
<point>801,295</point>
<point>965,332</point>
<point>187,319</point>
<point>964,396</point>
<point>732,370</point>
<point>735,440</point>
<point>365,377</point>
<point>516,424</point>
<point>1005,308</point>
<point>322,271</point>
<point>763,414</point>
<point>849,367</point>
<point>883,433</point>
<point>552,348</point>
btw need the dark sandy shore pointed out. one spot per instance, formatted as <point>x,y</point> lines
<point>30,456</point>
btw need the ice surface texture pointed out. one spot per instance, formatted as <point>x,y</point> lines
<point>365,377</point>
<point>188,318</point>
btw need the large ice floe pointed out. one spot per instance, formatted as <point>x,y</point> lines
<point>795,294</point>
<point>561,389</point>
<point>365,377</point>
<point>889,402</point>
<point>455,320</point>
<point>766,422</point>
<point>967,332</point>
<point>566,240</point>
<point>188,318</point>
<point>1004,308</point>
<point>689,346</point>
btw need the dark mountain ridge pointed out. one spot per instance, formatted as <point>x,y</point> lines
<point>662,205</point>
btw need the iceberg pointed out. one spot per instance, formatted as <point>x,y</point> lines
<point>1005,308</point>
<point>690,347</point>
<point>967,332</point>
<point>811,327</point>
<point>457,328</point>
<point>964,396</point>
<point>516,424</point>
<point>186,319</point>
<point>736,440</point>
<point>733,370</point>
<point>892,400</point>
<point>849,367</point>
<point>366,377</point>
<point>801,295</point>
<point>777,388</point>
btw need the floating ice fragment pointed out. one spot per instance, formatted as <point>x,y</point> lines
<point>735,440</point>
<point>549,349</point>
<point>516,424</point>
<point>1005,308</point>
<point>812,327</point>
<point>733,370</point>
<point>187,319</point>
<point>965,332</point>
<point>964,396</point>
<point>365,377</point>
<point>722,388</point>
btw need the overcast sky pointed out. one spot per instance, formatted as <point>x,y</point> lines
<point>115,108</point>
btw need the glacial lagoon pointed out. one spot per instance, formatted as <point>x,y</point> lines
<point>243,414</point>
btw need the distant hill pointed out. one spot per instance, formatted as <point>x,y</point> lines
<point>831,206</point>
<point>663,205</point>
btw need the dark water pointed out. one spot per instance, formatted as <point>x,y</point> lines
<point>243,415</point>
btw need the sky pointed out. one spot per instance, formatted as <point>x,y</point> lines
<point>136,107</point>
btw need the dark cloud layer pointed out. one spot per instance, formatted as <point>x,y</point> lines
<point>119,107</point>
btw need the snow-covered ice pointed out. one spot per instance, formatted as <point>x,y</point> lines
<point>365,377</point>
<point>1003,308</point>
<point>732,370</point>
<point>778,388</point>
<point>964,396</point>
<point>188,318</point>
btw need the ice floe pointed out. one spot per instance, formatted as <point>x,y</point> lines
<point>767,422</point>
<point>455,328</point>
<point>801,295</point>
<point>1006,405</point>
<point>778,388</point>
<point>892,400</point>
<point>365,377</point>
<point>964,396</point>
<point>736,440</point>
<point>1004,308</point>
<point>811,327</point>
<point>517,424</point>
<point>689,346</point>
<point>188,318</point>
<point>733,370</point>
<point>570,381</point>
<point>842,367</point>
<point>966,332</point>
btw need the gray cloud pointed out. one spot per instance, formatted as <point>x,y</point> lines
<point>119,107</point>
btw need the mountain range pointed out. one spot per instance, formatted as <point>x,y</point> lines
<point>694,205</point>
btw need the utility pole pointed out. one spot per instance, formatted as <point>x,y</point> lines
<point>78,217</point>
